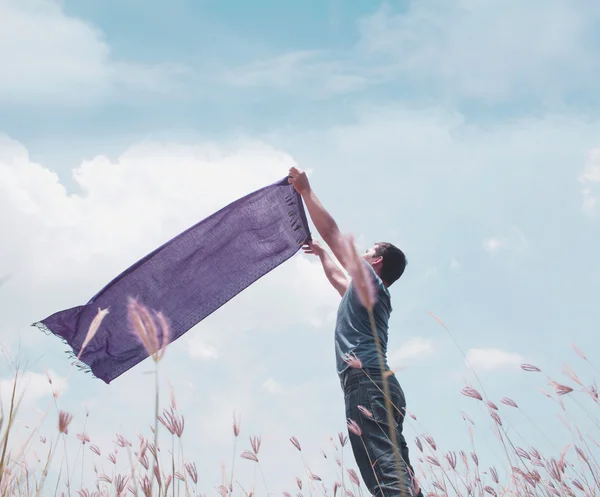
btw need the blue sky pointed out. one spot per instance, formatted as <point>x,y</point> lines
<point>468,133</point>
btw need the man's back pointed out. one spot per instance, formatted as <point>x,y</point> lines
<point>353,333</point>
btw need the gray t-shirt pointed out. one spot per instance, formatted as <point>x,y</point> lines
<point>353,334</point>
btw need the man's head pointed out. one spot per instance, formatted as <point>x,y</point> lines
<point>387,260</point>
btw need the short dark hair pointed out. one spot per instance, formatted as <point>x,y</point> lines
<point>394,262</point>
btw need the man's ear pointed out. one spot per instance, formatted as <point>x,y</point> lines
<point>377,261</point>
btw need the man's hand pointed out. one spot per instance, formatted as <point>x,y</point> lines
<point>299,179</point>
<point>313,248</point>
<point>334,274</point>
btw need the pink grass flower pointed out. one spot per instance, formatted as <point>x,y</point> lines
<point>471,392</point>
<point>121,441</point>
<point>95,449</point>
<point>157,475</point>
<point>146,485</point>
<point>112,458</point>
<point>343,439</point>
<point>451,458</point>
<point>494,474</point>
<point>43,440</point>
<point>83,438</point>
<point>172,421</point>
<point>561,389</point>
<point>168,480</point>
<point>353,361</point>
<point>440,486</point>
<point>92,329</point>
<point>466,417</point>
<point>531,368</point>
<point>569,373</point>
<point>579,352</point>
<point>581,454</point>
<point>251,456</point>
<point>433,460</point>
<point>429,439</point>
<point>554,470</point>
<point>522,453</point>
<point>365,412</point>
<point>120,483</point>
<point>592,391</point>
<point>336,486</point>
<point>255,444</point>
<point>577,484</point>
<point>491,405</point>
<point>143,445</point>
<point>144,461</point>
<point>314,477</point>
<point>64,419</point>
<point>490,491</point>
<point>236,426</point>
<point>418,444</point>
<point>509,402</point>
<point>353,427</point>
<point>495,417</point>
<point>296,443</point>
<point>192,471</point>
<point>475,458</point>
<point>299,482</point>
<point>151,328</point>
<point>353,477</point>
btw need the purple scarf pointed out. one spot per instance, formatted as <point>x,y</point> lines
<point>188,278</point>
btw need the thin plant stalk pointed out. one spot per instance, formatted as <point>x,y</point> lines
<point>388,406</point>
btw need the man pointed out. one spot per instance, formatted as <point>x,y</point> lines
<point>383,472</point>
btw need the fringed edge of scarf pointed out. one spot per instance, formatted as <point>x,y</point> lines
<point>78,363</point>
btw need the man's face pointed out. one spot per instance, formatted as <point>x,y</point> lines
<point>371,257</point>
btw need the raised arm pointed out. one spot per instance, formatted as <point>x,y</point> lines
<point>325,224</point>
<point>334,274</point>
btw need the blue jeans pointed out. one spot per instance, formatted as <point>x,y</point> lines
<point>373,450</point>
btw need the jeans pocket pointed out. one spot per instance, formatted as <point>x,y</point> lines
<point>375,400</point>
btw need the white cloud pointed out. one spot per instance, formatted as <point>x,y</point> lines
<point>591,181</point>
<point>490,359</point>
<point>272,386</point>
<point>454,264</point>
<point>199,349</point>
<point>47,55</point>
<point>31,387</point>
<point>414,349</point>
<point>315,72</point>
<point>538,50</point>
<point>513,240</point>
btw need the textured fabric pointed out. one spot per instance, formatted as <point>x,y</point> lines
<point>188,278</point>
<point>353,334</point>
<point>373,450</point>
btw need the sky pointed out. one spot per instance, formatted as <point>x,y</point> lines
<point>466,132</point>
